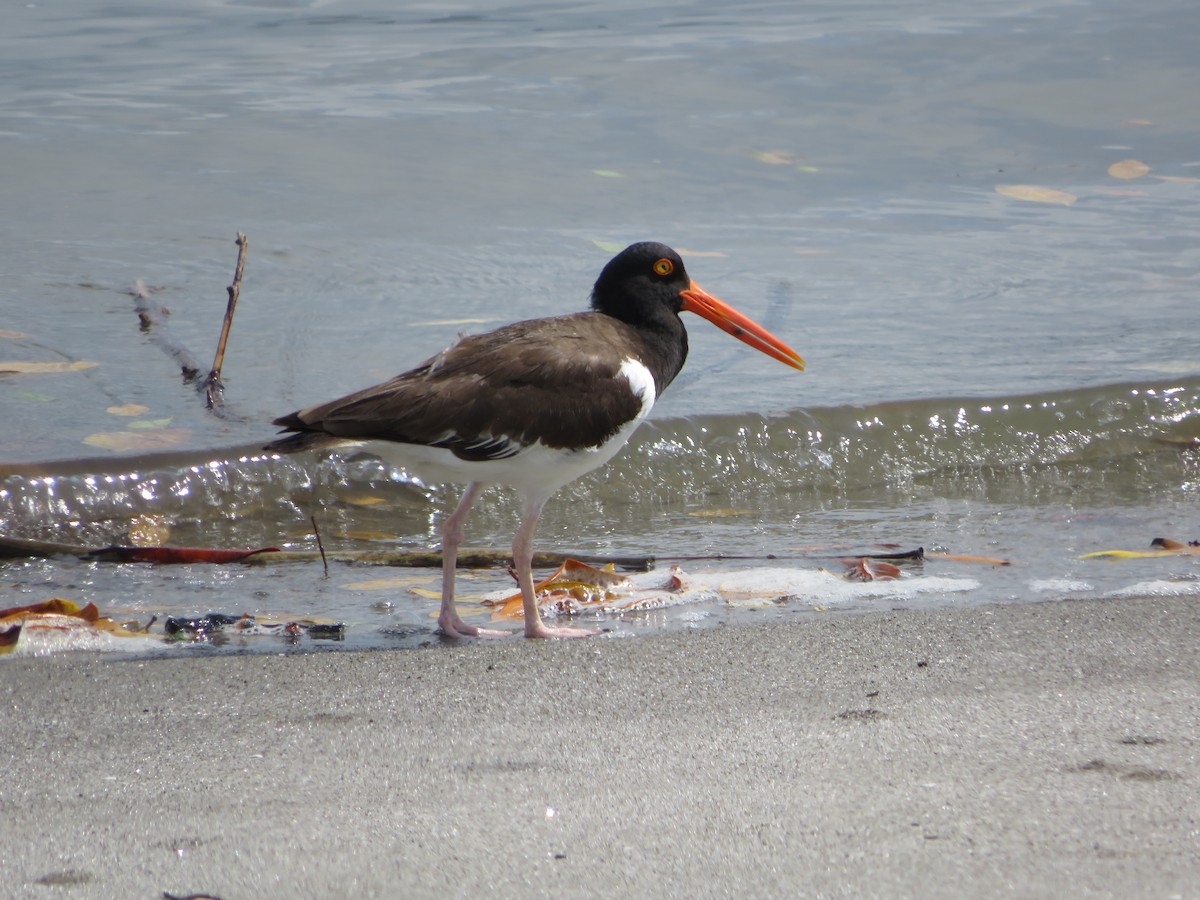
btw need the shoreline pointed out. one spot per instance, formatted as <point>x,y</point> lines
<point>1031,750</point>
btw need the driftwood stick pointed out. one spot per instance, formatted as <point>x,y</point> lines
<point>320,545</point>
<point>20,548</point>
<point>213,389</point>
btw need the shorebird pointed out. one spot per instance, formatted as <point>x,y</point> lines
<point>533,405</point>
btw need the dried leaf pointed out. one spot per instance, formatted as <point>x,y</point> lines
<point>1128,169</point>
<point>124,441</point>
<point>721,513</point>
<point>23,367</point>
<point>128,409</point>
<point>426,593</point>
<point>58,617</point>
<point>582,583</point>
<point>1130,554</point>
<point>1034,194</point>
<point>11,335</point>
<point>1178,179</point>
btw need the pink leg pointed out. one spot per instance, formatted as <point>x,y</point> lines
<point>452,534</point>
<point>523,563</point>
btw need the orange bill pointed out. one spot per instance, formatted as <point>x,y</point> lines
<point>697,300</point>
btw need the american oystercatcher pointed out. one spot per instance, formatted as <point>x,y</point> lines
<point>533,405</point>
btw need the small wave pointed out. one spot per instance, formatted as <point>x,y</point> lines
<point>846,448</point>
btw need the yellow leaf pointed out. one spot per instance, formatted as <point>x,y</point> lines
<point>1128,169</point>
<point>609,246</point>
<point>128,409</point>
<point>1035,194</point>
<point>1135,554</point>
<point>426,593</point>
<point>124,441</point>
<point>21,367</point>
<point>607,173</point>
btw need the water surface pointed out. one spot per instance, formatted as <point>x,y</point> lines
<point>988,375</point>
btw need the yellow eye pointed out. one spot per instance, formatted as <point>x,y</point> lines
<point>664,267</point>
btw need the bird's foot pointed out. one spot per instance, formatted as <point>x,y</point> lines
<point>541,630</point>
<point>454,627</point>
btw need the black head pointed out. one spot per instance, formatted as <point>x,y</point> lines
<point>641,284</point>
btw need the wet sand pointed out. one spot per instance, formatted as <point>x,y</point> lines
<point>1035,750</point>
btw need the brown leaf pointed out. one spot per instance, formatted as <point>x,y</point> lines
<point>10,335</point>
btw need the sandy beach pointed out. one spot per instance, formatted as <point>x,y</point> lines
<point>1032,751</point>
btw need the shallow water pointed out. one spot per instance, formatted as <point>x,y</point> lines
<point>987,375</point>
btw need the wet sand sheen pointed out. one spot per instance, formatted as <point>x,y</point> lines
<point>1033,749</point>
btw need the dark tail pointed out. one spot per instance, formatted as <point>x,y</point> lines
<point>304,439</point>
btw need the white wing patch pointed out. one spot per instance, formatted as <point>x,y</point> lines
<point>642,382</point>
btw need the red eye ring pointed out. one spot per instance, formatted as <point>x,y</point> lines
<point>664,267</point>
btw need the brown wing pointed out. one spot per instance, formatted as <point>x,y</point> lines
<point>553,380</point>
